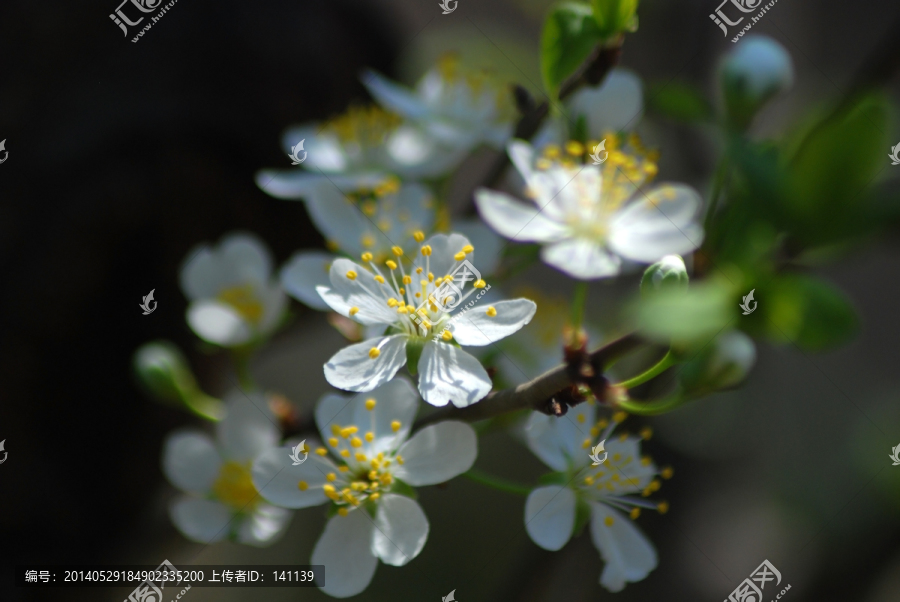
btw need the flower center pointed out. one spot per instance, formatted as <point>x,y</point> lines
<point>234,486</point>
<point>244,300</point>
<point>366,126</point>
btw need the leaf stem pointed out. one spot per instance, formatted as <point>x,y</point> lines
<point>492,481</point>
<point>578,302</point>
<point>654,407</point>
<point>667,361</point>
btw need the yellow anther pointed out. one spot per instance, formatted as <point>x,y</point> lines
<point>667,472</point>
<point>333,442</point>
<point>347,431</point>
<point>335,429</point>
<point>392,302</point>
<point>370,436</point>
<point>395,425</point>
<point>367,240</point>
<point>459,256</point>
<point>391,264</point>
<point>402,291</point>
<point>375,463</point>
<point>373,353</point>
<point>342,511</point>
<point>586,444</point>
<point>543,164</point>
<point>426,324</point>
<point>344,468</point>
<point>366,256</point>
<point>574,148</point>
<point>426,250</point>
<point>354,310</point>
<point>623,437</point>
<point>588,480</point>
<point>468,249</point>
<point>356,442</point>
<point>332,245</point>
<point>360,457</point>
<point>551,151</point>
<point>645,461</point>
<point>617,457</point>
<point>635,512</point>
<point>595,431</point>
<point>662,507</point>
<point>374,496</point>
<point>608,521</point>
<point>331,477</point>
<point>302,485</point>
<point>619,417</point>
<point>479,283</point>
<point>419,235</point>
<point>386,479</point>
<point>491,311</point>
<point>407,280</point>
<point>430,277</point>
<point>379,278</point>
<point>614,477</point>
<point>345,453</point>
<point>370,404</point>
<point>654,485</point>
<point>397,251</point>
<point>329,490</point>
<point>580,418</point>
<point>447,335</point>
<point>602,423</point>
<point>351,275</point>
<point>322,451</point>
<point>646,433</point>
<point>651,169</point>
<point>400,460</point>
<point>418,270</point>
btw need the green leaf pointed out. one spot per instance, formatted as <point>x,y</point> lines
<point>806,311</point>
<point>569,36</point>
<point>679,102</point>
<point>686,318</point>
<point>615,16</point>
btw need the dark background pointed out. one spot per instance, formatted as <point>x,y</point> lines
<point>123,156</point>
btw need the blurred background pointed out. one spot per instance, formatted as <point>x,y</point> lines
<point>123,156</point>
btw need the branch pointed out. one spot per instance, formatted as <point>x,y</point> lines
<point>534,394</point>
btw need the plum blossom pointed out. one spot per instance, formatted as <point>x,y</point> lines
<point>369,462</point>
<point>234,300</point>
<point>563,444</point>
<point>415,307</point>
<point>221,501</point>
<point>589,217</point>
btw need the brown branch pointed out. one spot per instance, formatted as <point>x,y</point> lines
<point>534,394</point>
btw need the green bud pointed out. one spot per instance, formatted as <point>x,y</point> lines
<point>669,273</point>
<point>164,371</point>
<point>615,16</point>
<point>722,364</point>
<point>755,71</point>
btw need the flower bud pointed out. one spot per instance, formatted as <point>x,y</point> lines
<point>669,273</point>
<point>163,369</point>
<point>758,69</point>
<point>722,364</point>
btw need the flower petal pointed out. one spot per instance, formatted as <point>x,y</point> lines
<point>488,246</point>
<point>239,258</point>
<point>478,328</point>
<point>550,516</point>
<point>249,427</point>
<point>615,105</point>
<point>401,530</point>
<point>345,547</point>
<point>361,291</point>
<point>394,97</point>
<point>277,479</point>
<point>662,223</point>
<point>190,461</point>
<point>516,220</point>
<point>342,221</point>
<point>449,374</point>
<point>581,258</point>
<point>218,323</point>
<point>396,400</point>
<point>294,184</point>
<point>323,149</point>
<point>438,453</point>
<point>205,521</point>
<point>444,247</point>
<point>558,442</point>
<point>628,555</point>
<point>303,272</point>
<point>264,526</point>
<point>353,369</point>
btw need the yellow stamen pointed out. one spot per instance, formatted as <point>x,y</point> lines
<point>479,283</point>
<point>351,275</point>
<point>646,433</point>
<point>419,235</point>
<point>356,442</point>
<point>354,310</point>
<point>367,257</point>
<point>426,250</point>
<point>667,472</point>
<point>635,512</point>
<point>379,278</point>
<point>619,417</point>
<point>370,404</point>
<point>608,521</point>
<point>447,335</point>
<point>302,485</point>
<point>662,507</point>
<point>395,425</point>
<point>391,264</point>
<point>350,430</point>
<point>374,496</point>
<point>322,451</point>
<point>333,442</point>
<point>373,353</point>
<point>370,436</point>
<point>345,453</point>
<point>459,256</point>
<point>331,477</point>
<point>397,251</point>
<point>491,311</point>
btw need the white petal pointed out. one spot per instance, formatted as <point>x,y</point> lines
<point>342,221</point>
<point>249,428</point>
<point>558,442</point>
<point>190,461</point>
<point>628,555</point>
<point>521,154</point>
<point>413,153</point>
<point>488,246</point>
<point>274,302</point>
<point>394,97</point>
<point>293,184</point>
<point>475,327</point>
<point>581,258</point>
<point>550,516</point>
<point>345,547</point>
<point>303,272</point>
<point>661,223</point>
<point>277,479</point>
<point>205,521</point>
<point>264,526</point>
<point>449,374</point>
<point>516,220</point>
<point>219,323</point>
<point>444,247</point>
<point>615,105</point>
<point>401,530</point>
<point>629,469</point>
<point>323,149</point>
<point>438,453</point>
<point>352,369</point>
<point>396,400</point>
<point>362,292</point>
<point>239,258</point>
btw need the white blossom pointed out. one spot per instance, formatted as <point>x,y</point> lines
<point>363,472</point>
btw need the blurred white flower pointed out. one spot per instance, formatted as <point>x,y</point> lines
<point>234,299</point>
<point>372,461</point>
<point>223,502</point>
<point>755,71</point>
<point>461,109</point>
<point>416,311</point>
<point>564,445</point>
<point>583,215</point>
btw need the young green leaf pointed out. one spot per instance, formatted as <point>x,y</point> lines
<point>570,34</point>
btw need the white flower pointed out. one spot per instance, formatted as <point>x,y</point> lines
<point>415,309</point>
<point>563,444</point>
<point>373,460</point>
<point>459,109</point>
<point>583,215</point>
<point>223,503</point>
<point>358,150</point>
<point>758,68</point>
<point>233,298</point>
